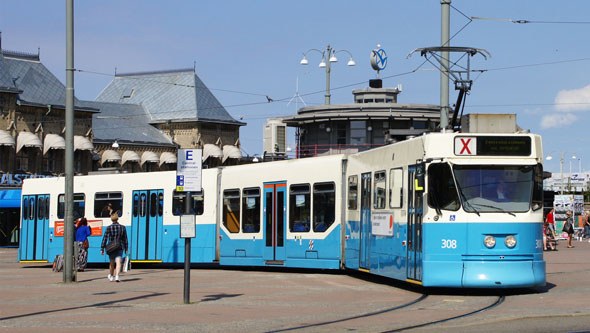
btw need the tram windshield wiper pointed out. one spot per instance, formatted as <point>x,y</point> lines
<point>497,208</point>
<point>434,197</point>
<point>465,199</point>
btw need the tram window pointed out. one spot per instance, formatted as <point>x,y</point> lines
<point>538,187</point>
<point>41,208</point>
<point>107,203</point>
<point>442,192</point>
<point>379,196</point>
<point>299,208</point>
<point>32,211</point>
<point>160,204</point>
<point>25,209</point>
<point>47,207</point>
<point>353,190</point>
<point>135,205</point>
<point>396,188</point>
<point>231,210</point>
<point>153,204</point>
<point>198,203</point>
<point>142,204</point>
<point>324,206</point>
<point>251,210</point>
<point>79,206</point>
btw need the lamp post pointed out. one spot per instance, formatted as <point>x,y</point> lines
<point>328,57</point>
<point>549,158</point>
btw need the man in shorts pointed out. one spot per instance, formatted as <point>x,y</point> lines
<point>115,233</point>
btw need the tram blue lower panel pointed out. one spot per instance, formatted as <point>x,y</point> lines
<point>454,254</point>
<point>300,252</point>
<point>503,274</point>
<point>202,246</point>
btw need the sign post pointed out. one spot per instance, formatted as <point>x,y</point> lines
<point>188,179</point>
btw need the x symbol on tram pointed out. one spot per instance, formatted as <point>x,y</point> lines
<point>465,146</point>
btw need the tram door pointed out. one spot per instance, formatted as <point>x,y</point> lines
<point>365,226</point>
<point>35,228</point>
<point>275,220</point>
<point>415,201</point>
<point>147,225</point>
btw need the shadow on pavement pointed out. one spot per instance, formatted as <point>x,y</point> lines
<point>216,297</point>
<point>101,304</point>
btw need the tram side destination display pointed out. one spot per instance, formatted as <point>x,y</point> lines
<point>493,145</point>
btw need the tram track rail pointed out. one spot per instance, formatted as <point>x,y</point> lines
<point>499,301</point>
<point>369,314</point>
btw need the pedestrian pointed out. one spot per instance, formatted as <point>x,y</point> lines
<point>568,227</point>
<point>551,222</point>
<point>82,233</point>
<point>116,235</point>
<point>587,225</point>
<point>548,240</point>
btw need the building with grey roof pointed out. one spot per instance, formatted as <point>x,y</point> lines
<point>32,121</point>
<point>177,106</point>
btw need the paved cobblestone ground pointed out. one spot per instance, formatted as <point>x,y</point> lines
<point>33,298</point>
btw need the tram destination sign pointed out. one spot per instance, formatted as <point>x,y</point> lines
<point>188,170</point>
<point>493,145</point>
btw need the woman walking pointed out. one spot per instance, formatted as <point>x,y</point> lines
<point>569,228</point>
<point>82,233</point>
<point>116,237</point>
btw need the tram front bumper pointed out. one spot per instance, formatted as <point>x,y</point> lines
<point>503,274</point>
<point>484,273</point>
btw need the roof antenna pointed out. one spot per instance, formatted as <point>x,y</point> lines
<point>115,71</point>
<point>0,41</point>
<point>195,66</point>
<point>296,97</point>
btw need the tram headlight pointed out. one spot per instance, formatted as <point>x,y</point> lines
<point>489,241</point>
<point>510,241</point>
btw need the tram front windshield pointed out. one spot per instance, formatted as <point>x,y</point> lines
<point>495,188</point>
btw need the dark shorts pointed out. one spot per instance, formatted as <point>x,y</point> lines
<point>116,254</point>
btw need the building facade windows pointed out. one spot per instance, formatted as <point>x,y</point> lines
<point>22,160</point>
<point>50,162</point>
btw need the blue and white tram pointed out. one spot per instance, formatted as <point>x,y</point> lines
<point>148,206</point>
<point>449,209</point>
<point>442,209</point>
<point>288,215</point>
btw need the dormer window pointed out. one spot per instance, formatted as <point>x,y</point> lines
<point>128,92</point>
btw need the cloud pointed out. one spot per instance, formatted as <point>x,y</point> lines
<point>558,120</point>
<point>573,100</point>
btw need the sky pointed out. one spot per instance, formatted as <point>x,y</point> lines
<point>247,50</point>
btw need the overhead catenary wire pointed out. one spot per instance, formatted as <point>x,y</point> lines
<point>527,21</point>
<point>418,68</point>
<point>276,100</point>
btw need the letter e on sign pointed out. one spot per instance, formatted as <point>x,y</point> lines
<point>465,145</point>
